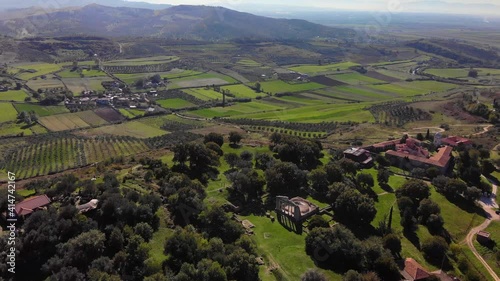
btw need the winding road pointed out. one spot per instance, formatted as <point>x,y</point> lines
<point>489,205</point>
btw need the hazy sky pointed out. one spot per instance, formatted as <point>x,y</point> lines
<point>402,5</point>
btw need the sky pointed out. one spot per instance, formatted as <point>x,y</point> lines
<point>444,6</point>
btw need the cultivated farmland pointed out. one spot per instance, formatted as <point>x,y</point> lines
<point>77,85</point>
<point>175,103</point>
<point>355,78</point>
<point>53,155</point>
<point>236,110</point>
<point>38,69</point>
<point>47,83</point>
<point>205,79</point>
<point>279,86</point>
<point>39,110</point>
<point>203,94</point>
<point>242,91</point>
<point>8,112</point>
<point>328,68</point>
<point>133,129</point>
<point>142,61</point>
<point>13,95</point>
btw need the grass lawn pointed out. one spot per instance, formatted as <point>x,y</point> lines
<point>285,248</point>
<point>9,113</point>
<point>203,94</point>
<point>41,111</point>
<point>13,95</point>
<point>14,129</point>
<point>235,110</point>
<point>278,86</point>
<point>318,113</point>
<point>355,78</point>
<point>314,69</point>
<point>242,91</point>
<point>175,103</point>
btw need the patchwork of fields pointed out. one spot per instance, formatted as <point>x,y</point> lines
<point>13,95</point>
<point>79,120</point>
<point>328,68</point>
<point>142,61</point>
<point>201,80</point>
<point>175,103</point>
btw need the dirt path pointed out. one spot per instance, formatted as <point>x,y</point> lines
<point>489,205</point>
<point>485,130</point>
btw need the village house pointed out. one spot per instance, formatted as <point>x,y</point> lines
<point>413,271</point>
<point>454,141</point>
<point>359,155</point>
<point>28,206</point>
<point>410,156</point>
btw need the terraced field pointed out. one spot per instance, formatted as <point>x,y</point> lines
<point>13,95</point>
<point>58,154</point>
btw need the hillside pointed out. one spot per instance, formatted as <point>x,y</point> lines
<point>186,22</point>
<point>14,4</point>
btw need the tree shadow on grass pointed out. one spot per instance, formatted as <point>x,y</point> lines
<point>386,187</point>
<point>467,206</point>
<point>412,236</point>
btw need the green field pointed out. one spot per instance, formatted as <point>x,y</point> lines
<point>235,110</point>
<point>176,73</point>
<point>68,73</point>
<point>318,113</point>
<point>409,89</point>
<point>13,95</point>
<point>201,80</point>
<point>38,69</point>
<point>175,103</point>
<point>315,69</point>
<point>461,72</point>
<point>278,86</point>
<point>41,111</point>
<point>14,129</point>
<point>49,82</point>
<point>203,94</point>
<point>355,93</point>
<point>133,128</point>
<point>249,63</point>
<point>242,91</point>
<point>142,61</point>
<point>77,85</point>
<point>9,113</point>
<point>355,78</point>
<point>131,113</point>
<point>489,253</point>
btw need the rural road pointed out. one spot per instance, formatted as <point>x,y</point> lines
<point>489,205</point>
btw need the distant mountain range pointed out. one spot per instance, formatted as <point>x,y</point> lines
<point>180,22</point>
<point>54,5</point>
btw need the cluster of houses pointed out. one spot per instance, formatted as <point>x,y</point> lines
<point>116,99</point>
<point>411,153</point>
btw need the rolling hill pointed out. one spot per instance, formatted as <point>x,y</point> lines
<point>180,22</point>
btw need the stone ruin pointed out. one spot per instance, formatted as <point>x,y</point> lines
<point>297,208</point>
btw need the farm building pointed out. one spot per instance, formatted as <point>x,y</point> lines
<point>413,271</point>
<point>410,155</point>
<point>456,141</point>
<point>483,237</point>
<point>388,145</point>
<point>31,204</point>
<point>359,155</point>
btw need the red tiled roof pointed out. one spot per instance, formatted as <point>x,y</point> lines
<point>415,270</point>
<point>27,206</point>
<point>439,159</point>
<point>455,141</point>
